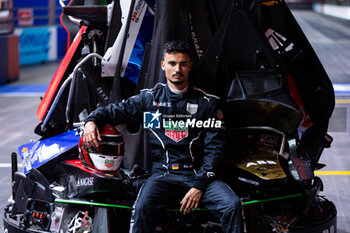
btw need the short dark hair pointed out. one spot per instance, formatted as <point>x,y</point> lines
<point>177,46</point>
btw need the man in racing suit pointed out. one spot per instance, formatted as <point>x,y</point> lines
<point>186,141</point>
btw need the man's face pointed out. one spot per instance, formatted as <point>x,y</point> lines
<point>177,67</point>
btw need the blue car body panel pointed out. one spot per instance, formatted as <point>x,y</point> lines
<point>37,153</point>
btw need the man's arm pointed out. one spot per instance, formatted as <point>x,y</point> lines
<point>213,148</point>
<point>125,112</point>
<point>213,143</point>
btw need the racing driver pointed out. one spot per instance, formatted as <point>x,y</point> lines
<point>186,141</point>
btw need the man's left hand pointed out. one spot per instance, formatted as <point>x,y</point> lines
<point>191,200</point>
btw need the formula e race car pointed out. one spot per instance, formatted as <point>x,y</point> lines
<point>250,53</point>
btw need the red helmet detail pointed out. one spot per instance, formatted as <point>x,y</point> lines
<point>108,155</point>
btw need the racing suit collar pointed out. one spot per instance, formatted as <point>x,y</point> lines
<point>178,92</point>
<point>174,96</point>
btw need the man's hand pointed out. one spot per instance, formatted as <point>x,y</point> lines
<point>191,200</point>
<point>91,134</point>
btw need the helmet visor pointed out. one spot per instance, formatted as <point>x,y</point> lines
<point>108,148</point>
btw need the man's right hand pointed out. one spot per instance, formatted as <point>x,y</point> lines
<point>91,134</point>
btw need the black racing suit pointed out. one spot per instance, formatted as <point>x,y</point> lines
<point>186,141</point>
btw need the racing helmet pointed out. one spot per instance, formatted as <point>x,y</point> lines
<point>109,153</point>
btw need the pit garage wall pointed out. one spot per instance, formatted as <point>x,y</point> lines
<point>335,8</point>
<point>41,44</point>
<point>41,36</point>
